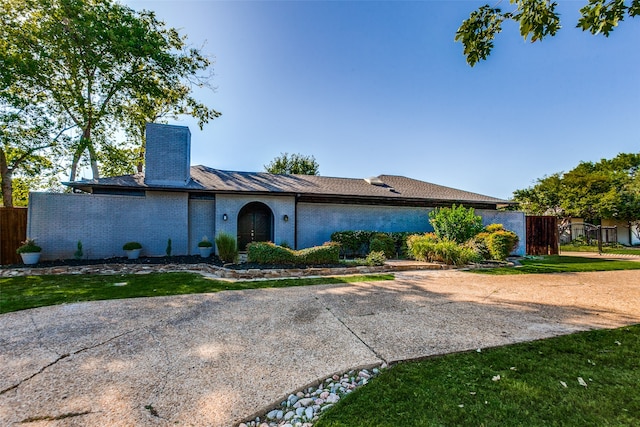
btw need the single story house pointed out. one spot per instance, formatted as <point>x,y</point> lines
<point>177,201</point>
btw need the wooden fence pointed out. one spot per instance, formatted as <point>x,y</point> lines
<point>542,235</point>
<point>13,231</point>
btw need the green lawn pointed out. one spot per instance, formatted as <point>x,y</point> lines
<point>539,385</point>
<point>19,293</point>
<point>605,249</point>
<point>562,264</point>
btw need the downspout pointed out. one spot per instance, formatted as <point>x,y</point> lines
<point>295,223</point>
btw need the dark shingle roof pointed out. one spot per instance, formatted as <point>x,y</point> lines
<point>389,187</point>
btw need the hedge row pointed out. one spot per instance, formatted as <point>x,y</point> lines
<point>271,254</point>
<point>361,242</point>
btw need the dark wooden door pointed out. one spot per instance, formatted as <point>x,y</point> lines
<point>254,224</point>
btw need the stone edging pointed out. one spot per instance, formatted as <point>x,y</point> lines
<point>215,271</point>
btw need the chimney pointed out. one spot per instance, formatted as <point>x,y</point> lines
<point>167,155</point>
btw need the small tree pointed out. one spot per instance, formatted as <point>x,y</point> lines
<point>296,164</point>
<point>456,223</point>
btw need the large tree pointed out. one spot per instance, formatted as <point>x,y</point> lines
<point>296,164</point>
<point>537,19</point>
<point>608,189</point>
<point>97,62</point>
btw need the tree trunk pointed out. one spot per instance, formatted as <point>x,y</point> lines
<point>7,181</point>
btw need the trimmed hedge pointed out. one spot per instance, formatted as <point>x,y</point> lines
<point>271,254</point>
<point>359,243</point>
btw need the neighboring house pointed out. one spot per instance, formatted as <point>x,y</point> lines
<point>173,200</point>
<point>612,231</point>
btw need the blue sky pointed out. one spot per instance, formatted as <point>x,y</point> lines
<point>380,87</point>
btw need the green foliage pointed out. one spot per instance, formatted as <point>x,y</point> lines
<point>227,247</point>
<point>537,19</point>
<point>205,242</point>
<point>329,253</point>
<point>97,64</point>
<point>168,249</point>
<point>352,242</point>
<point>501,243</point>
<point>129,246</point>
<point>78,254</point>
<point>296,164</point>
<point>608,189</point>
<point>381,242</point>
<point>457,223</point>
<point>28,246</point>
<point>268,253</point>
<point>375,258</point>
<point>358,243</point>
<point>428,247</point>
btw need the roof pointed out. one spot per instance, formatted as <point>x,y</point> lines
<point>383,188</point>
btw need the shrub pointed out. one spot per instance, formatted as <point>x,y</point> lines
<point>78,253</point>
<point>457,223</point>
<point>227,247</point>
<point>381,242</point>
<point>375,258</point>
<point>501,243</point>
<point>428,247</point>
<point>329,253</point>
<point>422,246</point>
<point>28,246</point>
<point>352,242</point>
<point>130,246</point>
<point>269,253</point>
<point>205,243</point>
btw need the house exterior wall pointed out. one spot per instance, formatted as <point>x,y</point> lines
<point>103,223</point>
<point>283,231</point>
<point>514,221</point>
<point>201,222</point>
<point>317,221</point>
<point>623,232</point>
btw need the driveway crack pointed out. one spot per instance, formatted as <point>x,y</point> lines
<point>371,349</point>
<point>64,356</point>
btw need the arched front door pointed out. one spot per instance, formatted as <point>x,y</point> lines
<point>255,224</point>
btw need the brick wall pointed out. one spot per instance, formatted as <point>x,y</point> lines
<point>167,154</point>
<point>201,222</point>
<point>316,221</point>
<point>103,223</point>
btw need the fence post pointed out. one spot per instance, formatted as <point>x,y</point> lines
<point>599,240</point>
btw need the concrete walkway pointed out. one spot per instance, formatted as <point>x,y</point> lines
<point>216,359</point>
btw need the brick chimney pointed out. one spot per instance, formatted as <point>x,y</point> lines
<point>167,155</point>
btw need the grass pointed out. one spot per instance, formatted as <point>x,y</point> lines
<point>19,293</point>
<point>605,249</point>
<point>539,385</point>
<point>562,264</point>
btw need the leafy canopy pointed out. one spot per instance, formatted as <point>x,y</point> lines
<point>456,223</point>
<point>537,19</point>
<point>296,164</point>
<point>608,189</point>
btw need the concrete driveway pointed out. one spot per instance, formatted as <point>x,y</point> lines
<point>216,359</point>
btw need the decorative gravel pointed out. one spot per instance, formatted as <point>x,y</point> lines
<point>303,408</point>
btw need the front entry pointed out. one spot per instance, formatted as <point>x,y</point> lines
<point>255,224</point>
